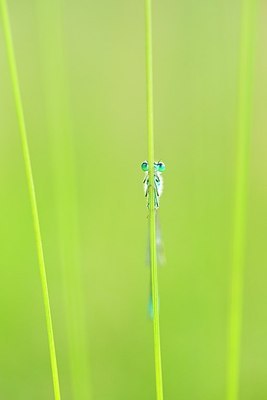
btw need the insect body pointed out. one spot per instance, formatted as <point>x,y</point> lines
<point>159,167</point>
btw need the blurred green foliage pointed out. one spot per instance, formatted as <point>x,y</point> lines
<point>82,72</point>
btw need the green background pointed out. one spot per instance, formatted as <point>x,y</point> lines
<point>82,73</point>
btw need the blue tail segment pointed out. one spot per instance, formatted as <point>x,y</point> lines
<point>150,307</point>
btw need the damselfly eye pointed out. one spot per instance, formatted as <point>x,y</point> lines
<point>144,166</point>
<point>161,166</point>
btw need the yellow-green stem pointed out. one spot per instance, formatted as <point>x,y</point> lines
<point>244,113</point>
<point>61,136</point>
<point>152,211</point>
<point>30,182</point>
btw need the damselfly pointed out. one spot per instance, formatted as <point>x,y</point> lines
<point>159,167</point>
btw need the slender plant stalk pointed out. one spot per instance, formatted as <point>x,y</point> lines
<point>152,211</point>
<point>244,114</point>
<point>30,182</point>
<point>61,135</point>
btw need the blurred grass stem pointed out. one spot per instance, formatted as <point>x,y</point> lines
<point>244,113</point>
<point>61,135</point>
<point>29,176</point>
<point>152,211</point>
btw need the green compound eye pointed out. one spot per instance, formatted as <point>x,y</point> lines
<point>161,166</point>
<point>144,166</point>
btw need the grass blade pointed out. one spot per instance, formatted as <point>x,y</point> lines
<point>61,134</point>
<point>30,182</point>
<point>244,111</point>
<point>152,211</point>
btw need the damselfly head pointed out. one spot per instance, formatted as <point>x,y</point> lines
<point>158,166</point>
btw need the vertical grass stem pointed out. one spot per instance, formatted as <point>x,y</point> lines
<point>30,182</point>
<point>244,114</point>
<point>152,211</point>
